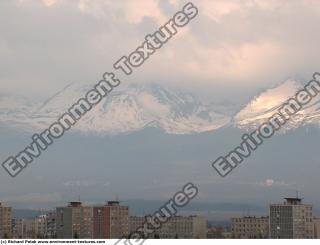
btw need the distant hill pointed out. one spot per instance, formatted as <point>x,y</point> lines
<point>26,213</point>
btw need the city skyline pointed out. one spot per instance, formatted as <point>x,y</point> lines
<point>289,219</point>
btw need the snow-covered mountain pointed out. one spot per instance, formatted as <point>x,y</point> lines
<point>122,111</point>
<point>268,103</point>
<point>136,107</point>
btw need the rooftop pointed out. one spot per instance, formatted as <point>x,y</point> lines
<point>75,204</point>
<point>293,200</point>
<point>112,203</point>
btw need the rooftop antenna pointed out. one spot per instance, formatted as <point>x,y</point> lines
<point>297,194</point>
<point>117,197</point>
<point>79,199</point>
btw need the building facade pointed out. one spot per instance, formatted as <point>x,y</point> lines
<point>31,228</point>
<point>111,221</point>
<point>177,227</point>
<point>5,221</point>
<point>51,225</point>
<point>74,221</point>
<point>250,227</point>
<point>24,228</point>
<point>18,228</point>
<point>316,228</point>
<point>42,226</point>
<point>292,219</point>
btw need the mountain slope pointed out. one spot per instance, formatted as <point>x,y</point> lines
<point>124,111</point>
<point>134,108</point>
<point>268,103</point>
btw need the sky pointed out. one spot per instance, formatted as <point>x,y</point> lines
<point>230,50</point>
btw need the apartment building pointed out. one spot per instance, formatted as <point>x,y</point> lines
<point>111,221</point>
<point>316,228</point>
<point>5,221</point>
<point>18,230</point>
<point>291,219</point>
<point>176,227</point>
<point>250,227</point>
<point>30,228</point>
<point>74,221</point>
<point>51,225</point>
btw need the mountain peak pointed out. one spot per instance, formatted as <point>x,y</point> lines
<point>129,109</point>
<point>268,102</point>
<point>139,106</point>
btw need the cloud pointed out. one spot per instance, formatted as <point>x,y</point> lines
<point>272,183</point>
<point>49,2</point>
<point>242,45</point>
<point>133,11</point>
<point>79,183</point>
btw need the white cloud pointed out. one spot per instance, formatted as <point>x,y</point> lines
<point>247,43</point>
<point>49,2</point>
<point>134,11</point>
<point>273,183</point>
<point>79,183</point>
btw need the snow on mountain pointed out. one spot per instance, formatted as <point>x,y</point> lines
<point>267,103</point>
<point>122,111</point>
<point>136,107</point>
<point>15,110</point>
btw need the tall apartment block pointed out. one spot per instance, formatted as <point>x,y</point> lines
<point>30,228</point>
<point>250,227</point>
<point>111,221</point>
<point>177,227</point>
<point>18,230</point>
<point>316,227</point>
<point>51,225</point>
<point>5,221</point>
<point>42,226</point>
<point>292,219</point>
<point>74,221</point>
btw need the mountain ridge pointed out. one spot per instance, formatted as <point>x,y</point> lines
<point>137,107</point>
